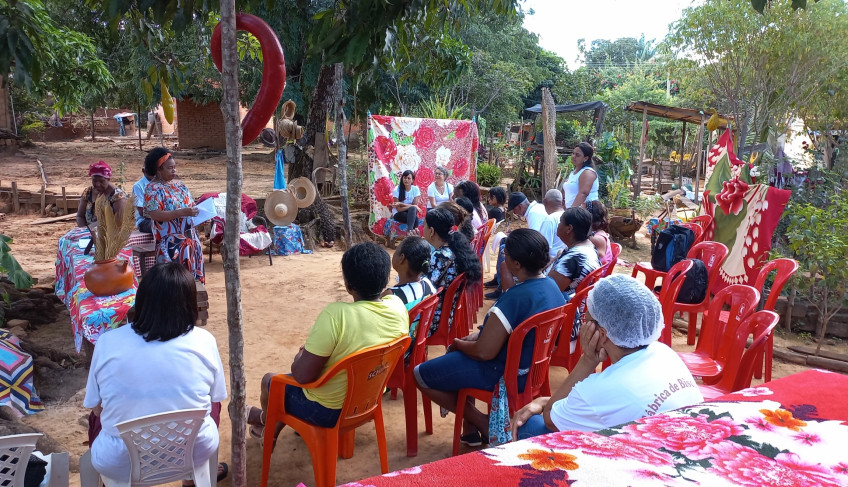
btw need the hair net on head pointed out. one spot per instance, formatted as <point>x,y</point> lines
<point>627,310</point>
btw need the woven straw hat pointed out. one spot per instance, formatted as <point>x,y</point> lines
<point>281,207</point>
<point>303,190</point>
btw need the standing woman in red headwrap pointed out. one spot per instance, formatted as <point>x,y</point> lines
<point>168,203</point>
<point>101,174</point>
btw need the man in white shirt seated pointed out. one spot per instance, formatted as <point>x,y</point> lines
<point>535,214</point>
<point>554,209</point>
<point>623,322</point>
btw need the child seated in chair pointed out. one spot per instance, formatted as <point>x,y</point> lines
<point>340,330</point>
<point>411,260</point>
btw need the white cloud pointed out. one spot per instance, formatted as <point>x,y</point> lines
<point>560,23</point>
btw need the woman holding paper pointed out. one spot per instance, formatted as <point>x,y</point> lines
<point>168,203</point>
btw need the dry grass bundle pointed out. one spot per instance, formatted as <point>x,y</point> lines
<point>112,235</point>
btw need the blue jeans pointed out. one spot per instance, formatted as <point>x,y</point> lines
<point>535,426</point>
<point>501,258</point>
<point>299,406</point>
<point>455,370</point>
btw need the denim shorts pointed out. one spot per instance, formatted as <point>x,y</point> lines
<point>455,370</point>
<point>299,406</point>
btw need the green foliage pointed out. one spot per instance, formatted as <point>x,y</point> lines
<point>488,175</point>
<point>441,107</point>
<point>760,5</point>
<point>615,165</point>
<point>22,26</point>
<point>625,51</point>
<point>10,266</point>
<point>821,253</point>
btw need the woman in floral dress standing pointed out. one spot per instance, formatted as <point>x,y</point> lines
<point>168,203</point>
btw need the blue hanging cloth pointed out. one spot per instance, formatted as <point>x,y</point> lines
<point>279,172</point>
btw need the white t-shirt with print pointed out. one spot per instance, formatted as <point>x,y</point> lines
<point>644,383</point>
<point>131,378</point>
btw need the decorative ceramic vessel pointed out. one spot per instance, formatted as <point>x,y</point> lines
<point>109,277</point>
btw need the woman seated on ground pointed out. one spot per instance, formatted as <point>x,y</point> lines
<point>626,321</point>
<point>405,207</point>
<point>470,190</point>
<point>452,256</point>
<point>168,203</point>
<point>340,330</point>
<point>101,184</point>
<point>497,200</point>
<point>461,216</point>
<point>478,360</point>
<point>440,190</point>
<point>599,236</point>
<point>159,363</point>
<point>580,257</point>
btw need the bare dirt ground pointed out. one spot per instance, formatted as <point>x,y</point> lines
<point>280,303</point>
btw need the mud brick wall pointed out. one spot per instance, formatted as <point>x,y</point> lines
<point>202,126</point>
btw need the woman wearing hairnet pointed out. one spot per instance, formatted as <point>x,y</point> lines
<point>623,322</point>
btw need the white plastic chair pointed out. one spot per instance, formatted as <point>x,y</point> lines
<point>14,452</point>
<point>161,448</point>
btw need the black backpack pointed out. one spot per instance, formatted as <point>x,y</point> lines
<point>694,288</point>
<point>672,246</point>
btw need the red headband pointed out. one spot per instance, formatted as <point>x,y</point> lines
<point>100,168</point>
<point>162,160</point>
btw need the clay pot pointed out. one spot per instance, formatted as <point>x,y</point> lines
<point>109,277</point>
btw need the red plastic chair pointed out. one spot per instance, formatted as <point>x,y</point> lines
<point>652,274</point>
<point>547,326</point>
<point>785,269</point>
<point>668,295</point>
<point>696,229</point>
<point>610,267</point>
<point>479,246</point>
<point>363,403</point>
<point>403,379</point>
<point>590,279</point>
<point>454,298</point>
<point>715,340</point>
<point>706,222</point>
<point>712,254</point>
<point>741,362</point>
<point>562,356</point>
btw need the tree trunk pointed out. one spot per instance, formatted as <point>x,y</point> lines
<point>316,121</point>
<point>230,109</point>
<point>549,164</point>
<point>340,119</point>
<point>92,125</point>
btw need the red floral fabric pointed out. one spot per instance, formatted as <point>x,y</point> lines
<point>420,145</point>
<point>716,444</point>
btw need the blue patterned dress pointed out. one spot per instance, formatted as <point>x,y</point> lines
<point>176,240</point>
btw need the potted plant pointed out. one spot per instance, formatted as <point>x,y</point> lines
<point>109,275</point>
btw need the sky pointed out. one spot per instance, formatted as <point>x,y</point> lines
<point>559,23</point>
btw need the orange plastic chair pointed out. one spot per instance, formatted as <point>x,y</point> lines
<point>546,326</point>
<point>455,299</point>
<point>668,295</point>
<point>715,340</point>
<point>610,267</point>
<point>562,356</point>
<point>712,254</point>
<point>403,379</point>
<point>741,363</point>
<point>363,403</point>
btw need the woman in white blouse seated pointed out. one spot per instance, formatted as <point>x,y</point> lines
<point>440,190</point>
<point>159,363</point>
<point>407,196</point>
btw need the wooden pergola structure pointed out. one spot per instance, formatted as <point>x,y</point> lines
<point>685,115</point>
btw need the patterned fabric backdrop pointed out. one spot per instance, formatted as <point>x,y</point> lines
<point>418,144</point>
<point>746,214</point>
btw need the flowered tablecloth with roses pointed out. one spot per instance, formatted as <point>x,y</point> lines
<point>397,144</point>
<point>788,432</point>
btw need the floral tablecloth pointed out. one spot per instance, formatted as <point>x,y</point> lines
<point>789,432</point>
<point>90,315</point>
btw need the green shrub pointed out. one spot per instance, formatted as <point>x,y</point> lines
<point>488,175</point>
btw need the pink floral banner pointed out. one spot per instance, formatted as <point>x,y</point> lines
<point>397,144</point>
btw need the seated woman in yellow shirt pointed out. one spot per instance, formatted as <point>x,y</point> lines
<point>340,330</point>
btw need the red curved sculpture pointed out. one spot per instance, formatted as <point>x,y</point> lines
<point>273,73</point>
